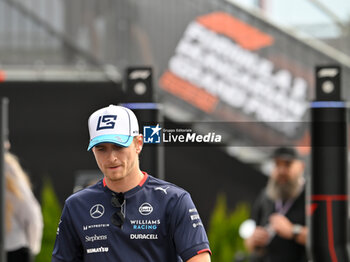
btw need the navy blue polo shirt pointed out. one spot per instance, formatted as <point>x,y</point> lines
<point>161,224</point>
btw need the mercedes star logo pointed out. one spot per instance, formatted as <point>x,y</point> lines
<point>97,211</point>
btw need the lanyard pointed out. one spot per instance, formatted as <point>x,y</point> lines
<point>283,209</point>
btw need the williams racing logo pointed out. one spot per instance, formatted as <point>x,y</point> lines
<point>156,135</point>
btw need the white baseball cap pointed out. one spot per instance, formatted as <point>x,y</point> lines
<point>112,124</point>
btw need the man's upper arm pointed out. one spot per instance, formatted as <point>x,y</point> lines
<point>67,245</point>
<point>203,257</point>
<point>188,231</point>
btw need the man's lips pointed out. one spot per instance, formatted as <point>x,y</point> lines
<point>114,167</point>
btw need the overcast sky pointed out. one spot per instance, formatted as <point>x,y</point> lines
<point>299,13</point>
<point>305,12</point>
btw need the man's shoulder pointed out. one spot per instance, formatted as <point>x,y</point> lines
<point>85,193</point>
<point>155,184</point>
<point>263,198</point>
<point>262,194</point>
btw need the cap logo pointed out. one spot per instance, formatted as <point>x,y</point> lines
<point>106,122</point>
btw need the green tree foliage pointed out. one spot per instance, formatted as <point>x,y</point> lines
<point>51,209</point>
<point>223,235</point>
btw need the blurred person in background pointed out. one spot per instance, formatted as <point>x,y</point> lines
<point>23,217</point>
<point>279,212</point>
<point>128,215</point>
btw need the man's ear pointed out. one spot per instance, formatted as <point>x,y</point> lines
<point>139,143</point>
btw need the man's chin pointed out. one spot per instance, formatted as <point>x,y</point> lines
<point>283,182</point>
<point>115,177</point>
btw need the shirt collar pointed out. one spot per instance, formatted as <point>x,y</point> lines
<point>131,191</point>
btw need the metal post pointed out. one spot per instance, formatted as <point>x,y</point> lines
<point>3,138</point>
<point>329,198</point>
<point>139,97</point>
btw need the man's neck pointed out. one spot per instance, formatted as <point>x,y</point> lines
<point>125,184</point>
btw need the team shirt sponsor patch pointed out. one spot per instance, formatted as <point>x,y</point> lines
<point>144,236</point>
<point>97,211</point>
<point>145,209</point>
<point>87,227</point>
<point>194,216</point>
<point>145,224</point>
<point>97,250</point>
<point>95,238</point>
<point>162,189</point>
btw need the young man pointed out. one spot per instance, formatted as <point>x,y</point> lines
<point>129,215</point>
<point>279,212</point>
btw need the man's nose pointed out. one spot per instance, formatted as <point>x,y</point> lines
<point>282,170</point>
<point>113,155</point>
